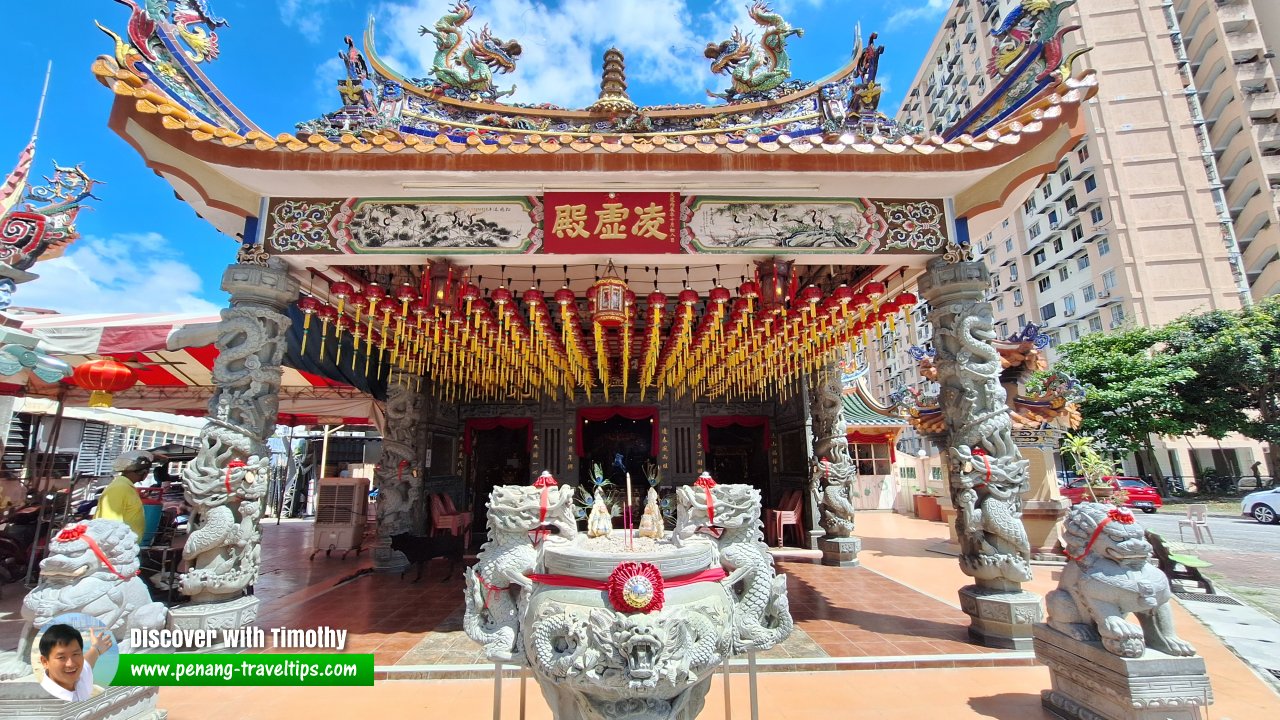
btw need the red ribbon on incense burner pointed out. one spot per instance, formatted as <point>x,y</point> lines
<point>706,482</point>
<point>545,482</point>
<point>632,586</point>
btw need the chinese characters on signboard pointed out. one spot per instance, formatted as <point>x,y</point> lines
<point>630,222</point>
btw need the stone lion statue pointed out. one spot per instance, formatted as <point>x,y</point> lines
<point>92,569</point>
<point>1107,578</point>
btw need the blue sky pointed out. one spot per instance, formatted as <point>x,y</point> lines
<point>142,250</point>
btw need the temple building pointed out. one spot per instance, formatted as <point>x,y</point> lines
<point>605,292</point>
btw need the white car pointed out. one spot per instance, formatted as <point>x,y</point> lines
<point>1263,506</point>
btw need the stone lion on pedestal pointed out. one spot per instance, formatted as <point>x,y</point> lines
<point>92,568</point>
<point>1107,578</point>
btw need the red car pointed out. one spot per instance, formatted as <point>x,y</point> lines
<point>1141,495</point>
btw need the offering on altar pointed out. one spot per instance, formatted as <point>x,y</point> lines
<point>651,520</point>
<point>600,521</point>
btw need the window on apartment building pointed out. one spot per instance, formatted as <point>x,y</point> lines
<point>1004,223</point>
<point>999,304</point>
<point>1017,296</point>
<point>1053,339</point>
<point>1077,231</point>
<point>1109,280</point>
<point>1065,175</point>
<point>1029,206</point>
<point>1053,218</point>
<point>1048,312</point>
<point>1038,256</point>
<point>1071,204</point>
<point>995,279</point>
<point>1046,191</point>
<point>1057,245</point>
<point>1090,184</point>
<point>1002,329</point>
<point>1069,304</point>
<point>1104,246</point>
<point>1013,272</point>
<point>1082,154</point>
<point>1089,293</point>
<point>1082,262</point>
<point>1008,244</point>
<point>1117,315</point>
<point>1033,231</point>
<point>1044,283</point>
<point>1095,324</point>
<point>1022,321</point>
<point>1063,273</point>
<point>1074,332</point>
<point>1095,215</point>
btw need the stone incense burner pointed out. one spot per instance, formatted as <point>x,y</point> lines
<point>618,627</point>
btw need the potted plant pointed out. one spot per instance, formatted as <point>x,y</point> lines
<point>1094,468</point>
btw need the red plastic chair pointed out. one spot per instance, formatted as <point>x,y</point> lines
<point>777,519</point>
<point>445,517</point>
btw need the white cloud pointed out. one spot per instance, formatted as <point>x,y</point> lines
<point>908,15</point>
<point>305,16</point>
<point>128,272</point>
<point>562,46</point>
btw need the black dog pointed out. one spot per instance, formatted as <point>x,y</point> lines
<point>419,550</point>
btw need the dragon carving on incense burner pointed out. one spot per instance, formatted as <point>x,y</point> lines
<point>467,64</point>
<point>498,585</point>
<point>989,473</point>
<point>754,68</point>
<point>834,476</point>
<point>729,516</point>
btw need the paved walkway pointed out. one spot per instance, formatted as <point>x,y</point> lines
<point>888,638</point>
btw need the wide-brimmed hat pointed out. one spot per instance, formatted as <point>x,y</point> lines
<point>135,460</point>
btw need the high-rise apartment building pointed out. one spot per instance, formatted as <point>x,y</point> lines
<point>1167,206</point>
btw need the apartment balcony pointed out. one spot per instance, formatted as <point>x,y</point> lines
<point>1235,17</point>
<point>1252,72</point>
<point>1262,105</point>
<point>1245,43</point>
<point>1267,134</point>
<point>1271,166</point>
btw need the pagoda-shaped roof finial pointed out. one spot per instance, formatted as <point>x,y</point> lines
<point>613,85</point>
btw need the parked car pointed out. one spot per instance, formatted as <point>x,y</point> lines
<point>1263,506</point>
<point>1140,495</point>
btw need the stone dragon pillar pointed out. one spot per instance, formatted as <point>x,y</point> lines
<point>401,506</point>
<point>834,475</point>
<point>226,481</point>
<point>986,472</point>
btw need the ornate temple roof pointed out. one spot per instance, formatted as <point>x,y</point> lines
<point>457,120</point>
<point>860,411</point>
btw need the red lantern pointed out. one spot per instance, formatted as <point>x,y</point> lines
<point>103,377</point>
<point>308,305</point>
<point>873,289</point>
<point>340,290</point>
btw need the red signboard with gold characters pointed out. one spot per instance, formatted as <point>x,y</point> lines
<point>611,222</point>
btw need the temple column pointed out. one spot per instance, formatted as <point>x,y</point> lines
<point>986,473</point>
<point>402,508</point>
<point>833,481</point>
<point>227,480</point>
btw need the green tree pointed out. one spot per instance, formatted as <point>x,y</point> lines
<point>1236,359</point>
<point>1130,389</point>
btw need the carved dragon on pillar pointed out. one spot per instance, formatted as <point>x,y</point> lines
<point>834,478</point>
<point>988,474</point>
<point>226,481</point>
<point>400,505</point>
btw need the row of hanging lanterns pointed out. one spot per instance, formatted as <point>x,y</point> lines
<point>476,347</point>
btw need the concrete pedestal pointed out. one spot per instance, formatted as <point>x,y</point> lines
<point>26,700</point>
<point>219,616</point>
<point>1090,683</point>
<point>840,552</point>
<point>1000,618</point>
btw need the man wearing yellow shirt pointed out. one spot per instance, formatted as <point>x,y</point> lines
<point>120,500</point>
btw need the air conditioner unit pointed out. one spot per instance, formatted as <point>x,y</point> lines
<point>341,505</point>
<point>1069,313</point>
<point>1104,293</point>
<point>1017,303</point>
